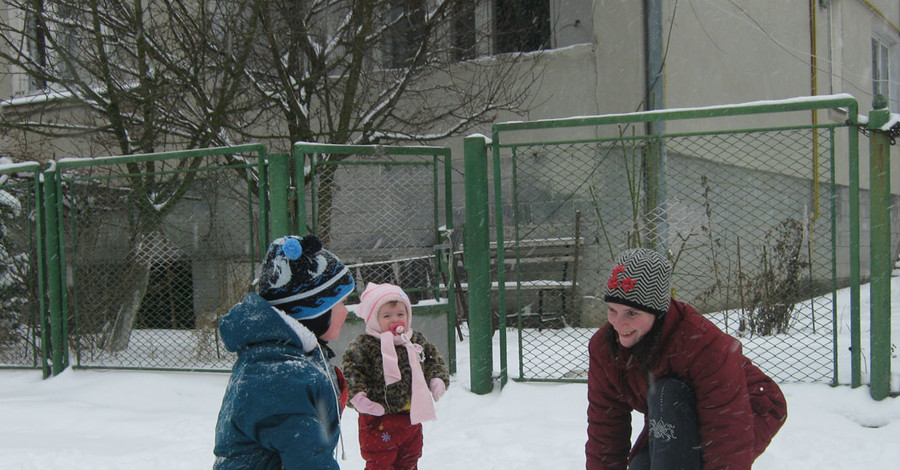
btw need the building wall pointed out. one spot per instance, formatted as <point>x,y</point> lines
<point>722,52</point>
<point>716,52</point>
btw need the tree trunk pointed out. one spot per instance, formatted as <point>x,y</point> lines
<point>133,295</point>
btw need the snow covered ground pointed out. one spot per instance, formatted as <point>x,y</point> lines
<point>97,420</point>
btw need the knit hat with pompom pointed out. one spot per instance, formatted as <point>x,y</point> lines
<point>304,280</point>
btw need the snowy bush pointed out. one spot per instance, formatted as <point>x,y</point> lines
<point>15,270</point>
<point>775,290</point>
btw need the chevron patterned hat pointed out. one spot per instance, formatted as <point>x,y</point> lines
<point>640,279</point>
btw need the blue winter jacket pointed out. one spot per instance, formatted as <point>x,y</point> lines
<point>280,408</point>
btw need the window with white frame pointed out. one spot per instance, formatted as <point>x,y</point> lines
<point>51,45</point>
<point>32,47</point>
<point>886,70</point>
<point>485,27</point>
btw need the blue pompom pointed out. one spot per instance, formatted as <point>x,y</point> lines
<point>292,249</point>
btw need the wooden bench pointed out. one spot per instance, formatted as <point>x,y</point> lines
<point>542,266</point>
<point>545,266</point>
<point>415,274</point>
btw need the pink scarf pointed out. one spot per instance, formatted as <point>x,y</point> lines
<point>376,295</point>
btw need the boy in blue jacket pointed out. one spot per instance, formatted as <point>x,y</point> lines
<point>283,403</point>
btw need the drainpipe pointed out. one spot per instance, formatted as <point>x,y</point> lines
<point>656,205</point>
<point>814,91</point>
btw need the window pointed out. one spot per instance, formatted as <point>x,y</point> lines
<point>881,72</point>
<point>521,25</point>
<point>464,30</point>
<point>885,74</point>
<point>54,45</point>
<point>406,31</point>
<point>35,48</point>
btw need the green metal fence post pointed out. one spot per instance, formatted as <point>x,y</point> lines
<point>279,183</point>
<point>501,261</point>
<point>855,346</point>
<point>41,239</point>
<point>834,263</point>
<point>477,260</point>
<point>54,270</point>
<point>300,192</point>
<point>263,195</point>
<point>880,216</point>
<point>449,266</point>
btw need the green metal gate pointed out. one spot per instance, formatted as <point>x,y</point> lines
<point>387,212</point>
<point>23,325</point>
<point>156,248</point>
<point>747,216</point>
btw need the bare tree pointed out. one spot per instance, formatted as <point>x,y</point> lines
<point>150,75</point>
<point>129,77</point>
<point>369,71</point>
<point>377,71</point>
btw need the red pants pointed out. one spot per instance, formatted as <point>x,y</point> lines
<point>390,442</point>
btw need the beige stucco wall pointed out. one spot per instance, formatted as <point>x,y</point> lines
<point>718,52</point>
<point>847,66</point>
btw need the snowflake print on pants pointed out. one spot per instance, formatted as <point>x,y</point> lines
<point>662,430</point>
<point>385,437</point>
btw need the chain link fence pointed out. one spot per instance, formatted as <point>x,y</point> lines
<point>386,212</point>
<point>384,216</point>
<point>155,249</point>
<point>747,218</point>
<point>22,326</point>
<point>158,248</point>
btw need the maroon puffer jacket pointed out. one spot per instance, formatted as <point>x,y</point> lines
<point>739,407</point>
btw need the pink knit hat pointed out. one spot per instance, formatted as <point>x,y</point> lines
<point>374,297</point>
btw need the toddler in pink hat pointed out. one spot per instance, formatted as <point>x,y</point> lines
<point>393,372</point>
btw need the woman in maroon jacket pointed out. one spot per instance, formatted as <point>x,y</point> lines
<point>705,405</point>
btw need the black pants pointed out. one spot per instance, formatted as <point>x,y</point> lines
<point>674,429</point>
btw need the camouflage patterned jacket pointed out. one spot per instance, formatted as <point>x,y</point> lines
<point>364,371</point>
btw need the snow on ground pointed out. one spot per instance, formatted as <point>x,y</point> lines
<point>99,420</point>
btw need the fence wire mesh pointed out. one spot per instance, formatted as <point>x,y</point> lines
<point>747,219</point>
<point>157,252</point>
<point>20,309</point>
<point>381,214</point>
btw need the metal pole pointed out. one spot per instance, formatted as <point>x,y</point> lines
<point>855,356</point>
<point>501,258</point>
<point>41,238</point>
<point>447,161</point>
<point>300,191</point>
<point>880,254</point>
<point>657,159</point>
<point>477,260</point>
<point>263,196</point>
<point>279,182</point>
<point>54,287</point>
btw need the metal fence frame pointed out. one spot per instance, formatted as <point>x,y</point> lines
<point>59,281</point>
<point>503,137</point>
<point>40,343</point>
<point>310,158</point>
<point>59,275</point>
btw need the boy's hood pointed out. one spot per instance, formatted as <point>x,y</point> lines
<point>253,321</point>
